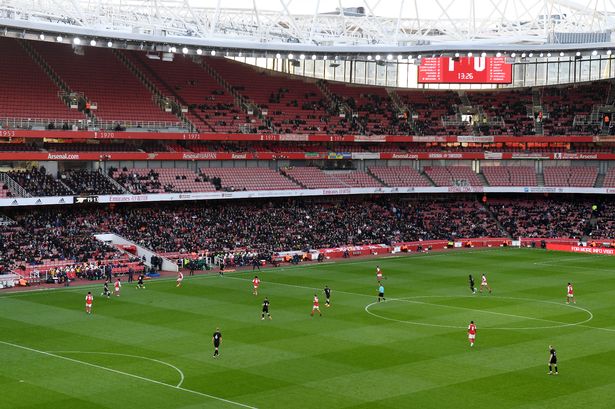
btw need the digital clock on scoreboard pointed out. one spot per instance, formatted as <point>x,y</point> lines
<point>474,70</point>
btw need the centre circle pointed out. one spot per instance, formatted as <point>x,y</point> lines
<point>416,300</point>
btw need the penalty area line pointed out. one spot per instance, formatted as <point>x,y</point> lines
<point>142,378</point>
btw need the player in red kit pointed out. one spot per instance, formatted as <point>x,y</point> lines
<point>570,294</point>
<point>471,333</point>
<point>89,299</point>
<point>117,287</point>
<point>255,283</point>
<point>378,274</point>
<point>180,278</point>
<point>483,283</point>
<point>315,306</point>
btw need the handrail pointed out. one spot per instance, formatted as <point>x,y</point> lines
<point>84,124</point>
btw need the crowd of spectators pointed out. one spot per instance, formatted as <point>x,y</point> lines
<point>43,235</point>
<point>37,182</point>
<point>246,229</point>
<point>554,218</point>
<point>137,184</point>
<point>85,182</point>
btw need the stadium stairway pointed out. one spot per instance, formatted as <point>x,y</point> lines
<point>120,242</point>
<point>332,98</point>
<point>240,100</point>
<point>600,180</point>
<point>369,171</point>
<point>540,179</point>
<point>285,174</point>
<point>428,178</point>
<point>27,46</point>
<point>157,92</point>
<point>482,179</point>
<point>141,63</point>
<point>15,188</point>
<point>397,102</point>
<point>494,217</point>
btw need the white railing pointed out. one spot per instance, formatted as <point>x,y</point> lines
<point>153,125</point>
<point>82,124</point>
<point>13,185</point>
<point>29,123</point>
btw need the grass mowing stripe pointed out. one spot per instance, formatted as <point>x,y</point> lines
<point>346,360</point>
<point>266,270</point>
<point>38,351</point>
<point>563,324</point>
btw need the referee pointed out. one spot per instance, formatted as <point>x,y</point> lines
<point>217,338</point>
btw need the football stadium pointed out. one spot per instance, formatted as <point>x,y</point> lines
<point>307,204</point>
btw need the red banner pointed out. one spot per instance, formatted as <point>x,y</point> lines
<point>60,134</point>
<point>580,249</point>
<point>108,156</point>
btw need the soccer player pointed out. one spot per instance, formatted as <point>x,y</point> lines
<point>117,287</point>
<point>255,283</point>
<point>570,294</point>
<point>327,296</point>
<point>217,338</point>
<point>88,302</point>
<point>483,283</point>
<point>180,278</point>
<point>471,333</point>
<point>106,292</point>
<point>315,306</point>
<point>378,274</point>
<point>471,281</point>
<point>381,293</point>
<point>140,281</point>
<point>552,360</point>
<point>265,309</point>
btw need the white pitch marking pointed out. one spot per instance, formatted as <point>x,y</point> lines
<point>561,324</point>
<point>203,276</point>
<point>38,351</point>
<point>179,371</point>
<point>433,296</point>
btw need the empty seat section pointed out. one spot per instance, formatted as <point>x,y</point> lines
<point>400,176</point>
<point>210,107</point>
<point>510,175</point>
<point>569,176</point>
<point>314,178</point>
<point>453,176</point>
<point>103,79</point>
<point>27,91</point>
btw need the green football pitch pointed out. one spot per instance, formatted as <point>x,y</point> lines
<point>152,348</point>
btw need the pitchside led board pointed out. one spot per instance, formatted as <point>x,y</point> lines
<point>473,70</point>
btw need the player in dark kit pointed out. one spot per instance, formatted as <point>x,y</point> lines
<point>140,282</point>
<point>217,338</point>
<point>265,309</point>
<point>327,296</point>
<point>106,291</point>
<point>552,360</point>
<point>471,281</point>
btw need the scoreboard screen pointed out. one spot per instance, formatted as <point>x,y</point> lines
<point>472,70</point>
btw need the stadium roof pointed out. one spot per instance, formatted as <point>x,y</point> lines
<point>354,26</point>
